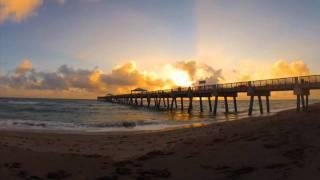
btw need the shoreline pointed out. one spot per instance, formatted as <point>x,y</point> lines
<point>287,138</point>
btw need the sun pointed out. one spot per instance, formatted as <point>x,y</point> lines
<point>181,78</point>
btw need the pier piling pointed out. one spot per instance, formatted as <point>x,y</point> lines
<point>298,103</point>
<point>303,104</point>
<point>201,107</point>
<point>181,103</point>
<point>251,105</point>
<point>190,104</point>
<point>175,103</point>
<point>209,102</point>
<point>268,104</point>
<point>307,102</point>
<point>215,105</point>
<point>260,104</point>
<point>226,104</point>
<point>235,104</point>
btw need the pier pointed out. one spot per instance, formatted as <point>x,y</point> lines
<point>260,89</point>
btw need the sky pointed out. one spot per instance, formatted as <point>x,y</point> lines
<point>85,48</point>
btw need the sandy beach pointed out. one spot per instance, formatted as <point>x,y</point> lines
<point>281,146</point>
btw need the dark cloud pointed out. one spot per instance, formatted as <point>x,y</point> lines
<point>63,79</point>
<point>120,79</point>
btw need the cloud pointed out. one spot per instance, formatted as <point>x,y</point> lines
<point>78,78</point>
<point>75,82</point>
<point>200,71</point>
<point>24,67</point>
<point>65,78</point>
<point>18,10</point>
<point>247,71</point>
<point>242,76</point>
<point>283,68</point>
<point>127,76</point>
<point>121,79</point>
<point>62,2</point>
<point>93,82</point>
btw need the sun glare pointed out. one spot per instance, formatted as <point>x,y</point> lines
<point>181,78</point>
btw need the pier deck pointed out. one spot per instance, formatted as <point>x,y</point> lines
<point>167,99</point>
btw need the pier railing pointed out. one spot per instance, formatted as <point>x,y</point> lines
<point>301,87</point>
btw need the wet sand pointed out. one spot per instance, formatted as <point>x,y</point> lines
<point>282,146</point>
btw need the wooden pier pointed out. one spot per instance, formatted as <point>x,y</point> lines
<point>167,99</point>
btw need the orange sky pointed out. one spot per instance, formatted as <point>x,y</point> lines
<point>25,81</point>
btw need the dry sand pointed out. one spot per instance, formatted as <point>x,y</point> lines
<point>282,146</point>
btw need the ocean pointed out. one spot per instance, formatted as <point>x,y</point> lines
<point>94,116</point>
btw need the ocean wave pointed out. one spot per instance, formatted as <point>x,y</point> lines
<point>23,102</point>
<point>33,124</point>
<point>126,124</point>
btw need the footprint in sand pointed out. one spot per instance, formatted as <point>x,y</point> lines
<point>236,173</point>
<point>153,154</point>
<point>123,171</point>
<point>296,156</point>
<point>107,178</point>
<point>191,155</point>
<point>205,166</point>
<point>153,173</point>
<point>272,145</point>
<point>13,165</point>
<point>59,174</point>
<point>221,168</point>
<point>276,166</point>
<point>34,178</point>
<point>122,163</point>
